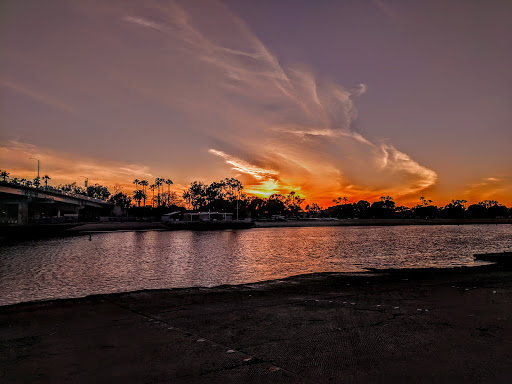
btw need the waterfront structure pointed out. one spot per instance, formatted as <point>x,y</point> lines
<point>21,205</point>
<point>207,216</point>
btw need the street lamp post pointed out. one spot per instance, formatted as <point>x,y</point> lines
<point>86,180</point>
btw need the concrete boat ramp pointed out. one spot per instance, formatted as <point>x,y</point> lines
<point>406,326</point>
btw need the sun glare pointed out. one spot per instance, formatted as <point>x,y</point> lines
<point>265,189</point>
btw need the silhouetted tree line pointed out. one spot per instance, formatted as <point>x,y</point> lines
<point>162,198</point>
<point>227,196</point>
<point>220,196</point>
<point>387,209</point>
<point>277,205</point>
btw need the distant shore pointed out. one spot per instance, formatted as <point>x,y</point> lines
<point>375,222</point>
<point>427,325</point>
<point>28,232</point>
<point>113,226</point>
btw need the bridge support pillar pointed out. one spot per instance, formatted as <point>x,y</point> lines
<point>23,213</point>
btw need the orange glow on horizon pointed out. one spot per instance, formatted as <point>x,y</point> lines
<point>64,168</point>
<point>144,91</point>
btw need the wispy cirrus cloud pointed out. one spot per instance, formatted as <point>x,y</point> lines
<point>225,93</point>
<point>490,188</point>
<point>145,23</point>
<point>419,177</point>
<point>37,95</point>
<point>161,82</point>
<point>291,128</point>
<point>17,157</point>
<point>245,167</point>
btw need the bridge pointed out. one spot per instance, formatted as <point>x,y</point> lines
<point>20,205</point>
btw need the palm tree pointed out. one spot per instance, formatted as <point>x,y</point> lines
<point>158,183</point>
<point>152,187</point>
<point>144,184</point>
<point>46,178</point>
<point>4,175</point>
<point>37,181</point>
<point>138,195</point>
<point>168,182</point>
<point>136,182</point>
<point>338,200</point>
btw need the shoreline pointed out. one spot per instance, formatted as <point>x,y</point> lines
<point>43,231</point>
<point>425,325</point>
<point>376,222</point>
<point>498,262</point>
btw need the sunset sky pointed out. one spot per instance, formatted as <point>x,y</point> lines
<point>327,98</point>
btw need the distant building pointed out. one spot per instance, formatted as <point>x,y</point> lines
<point>173,216</point>
<point>207,216</point>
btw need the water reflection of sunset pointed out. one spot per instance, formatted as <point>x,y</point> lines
<point>130,261</point>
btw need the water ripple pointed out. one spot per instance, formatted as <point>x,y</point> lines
<point>126,261</point>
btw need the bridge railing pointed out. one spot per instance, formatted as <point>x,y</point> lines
<point>75,195</point>
<point>58,192</point>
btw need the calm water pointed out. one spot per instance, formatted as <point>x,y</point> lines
<point>126,261</point>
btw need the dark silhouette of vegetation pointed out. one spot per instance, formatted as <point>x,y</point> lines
<point>168,197</point>
<point>386,209</point>
<point>72,188</point>
<point>98,192</point>
<point>313,210</point>
<point>4,175</point>
<point>138,196</point>
<point>161,200</point>
<point>227,196</point>
<point>121,199</point>
<point>144,184</point>
<point>46,178</point>
<point>196,195</point>
<point>218,196</point>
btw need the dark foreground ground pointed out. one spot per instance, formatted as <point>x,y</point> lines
<point>449,326</point>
